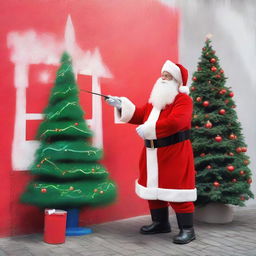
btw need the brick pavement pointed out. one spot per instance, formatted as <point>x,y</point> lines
<point>121,238</point>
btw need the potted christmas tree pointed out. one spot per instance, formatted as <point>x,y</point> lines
<point>68,175</point>
<point>223,177</point>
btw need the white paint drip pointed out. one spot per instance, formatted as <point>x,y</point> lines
<point>30,47</point>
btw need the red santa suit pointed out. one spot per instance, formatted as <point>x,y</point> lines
<point>166,173</point>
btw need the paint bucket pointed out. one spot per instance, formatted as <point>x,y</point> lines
<point>55,226</point>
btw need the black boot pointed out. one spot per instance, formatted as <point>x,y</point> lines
<point>187,233</point>
<point>160,218</point>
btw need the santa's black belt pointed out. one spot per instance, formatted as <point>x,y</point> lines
<point>167,141</point>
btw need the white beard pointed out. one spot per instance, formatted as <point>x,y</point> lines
<point>163,93</point>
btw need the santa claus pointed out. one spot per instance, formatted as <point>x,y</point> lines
<point>167,174</point>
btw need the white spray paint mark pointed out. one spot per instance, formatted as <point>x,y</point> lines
<point>29,48</point>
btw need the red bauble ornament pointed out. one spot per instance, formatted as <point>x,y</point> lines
<point>202,155</point>
<point>222,112</point>
<point>234,106</point>
<point>76,123</point>
<point>213,52</point>
<point>249,181</point>
<point>238,150</point>
<point>218,76</point>
<point>206,116</point>
<point>192,88</point>
<point>206,103</point>
<point>218,138</point>
<point>198,99</point>
<point>230,168</point>
<point>232,136</point>
<point>231,94</point>
<point>246,162</point>
<point>38,165</point>
<point>242,172</point>
<point>216,184</point>
<point>234,180</point>
<point>226,101</point>
<point>231,154</point>
<point>197,127</point>
<point>221,71</point>
<point>208,167</point>
<point>208,125</point>
<point>199,69</point>
<point>213,69</point>
<point>223,91</point>
<point>43,190</point>
<point>242,198</point>
<point>212,60</point>
<point>244,149</point>
<point>194,78</point>
<point>204,49</point>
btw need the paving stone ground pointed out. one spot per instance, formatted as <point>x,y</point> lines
<point>121,238</point>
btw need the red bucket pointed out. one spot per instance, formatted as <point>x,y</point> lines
<point>55,226</point>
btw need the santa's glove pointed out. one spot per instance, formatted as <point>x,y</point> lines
<point>140,131</point>
<point>114,101</point>
<point>146,131</point>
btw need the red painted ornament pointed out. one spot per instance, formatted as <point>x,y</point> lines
<point>199,69</point>
<point>244,149</point>
<point>218,138</point>
<point>226,101</point>
<point>249,181</point>
<point>223,91</point>
<point>208,125</point>
<point>204,49</point>
<point>231,94</point>
<point>208,167</point>
<point>213,52</point>
<point>76,123</point>
<point>212,60</point>
<point>216,184</point>
<point>242,198</point>
<point>197,127</point>
<point>221,71</point>
<point>43,190</point>
<point>232,136</point>
<point>213,69</point>
<point>238,150</point>
<point>202,155</point>
<point>192,88</point>
<point>234,180</point>
<point>222,112</point>
<point>242,172</point>
<point>231,153</point>
<point>218,76</point>
<point>194,78</point>
<point>206,103</point>
<point>234,106</point>
<point>198,99</point>
<point>230,168</point>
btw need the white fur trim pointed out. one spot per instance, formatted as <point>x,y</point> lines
<point>152,168</point>
<point>149,127</point>
<point>173,69</point>
<point>149,131</point>
<point>169,195</point>
<point>127,110</point>
<point>184,89</point>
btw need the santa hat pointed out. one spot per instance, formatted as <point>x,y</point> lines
<point>179,73</point>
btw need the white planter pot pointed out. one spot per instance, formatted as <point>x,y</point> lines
<point>214,213</point>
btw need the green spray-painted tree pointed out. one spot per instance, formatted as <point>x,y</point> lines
<point>221,163</point>
<point>66,164</point>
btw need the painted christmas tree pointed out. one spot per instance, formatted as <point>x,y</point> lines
<point>221,162</point>
<point>66,164</point>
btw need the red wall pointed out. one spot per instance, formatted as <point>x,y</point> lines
<point>134,37</point>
